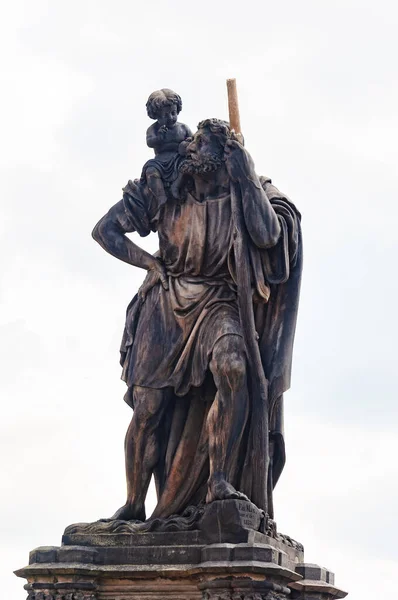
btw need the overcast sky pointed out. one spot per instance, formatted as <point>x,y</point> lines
<point>318,97</point>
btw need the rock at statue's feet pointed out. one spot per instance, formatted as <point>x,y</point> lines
<point>220,489</point>
<point>129,513</point>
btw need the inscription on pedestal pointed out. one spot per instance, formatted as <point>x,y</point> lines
<point>249,515</point>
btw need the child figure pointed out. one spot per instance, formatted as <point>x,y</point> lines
<point>165,137</point>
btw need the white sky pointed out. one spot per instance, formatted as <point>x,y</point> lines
<point>319,95</point>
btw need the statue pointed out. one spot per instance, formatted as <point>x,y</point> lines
<point>206,360</point>
<point>206,356</point>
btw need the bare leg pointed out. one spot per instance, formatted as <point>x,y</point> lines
<point>141,449</point>
<point>176,185</point>
<point>155,184</point>
<point>227,416</point>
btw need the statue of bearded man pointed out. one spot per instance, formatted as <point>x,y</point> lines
<point>196,424</point>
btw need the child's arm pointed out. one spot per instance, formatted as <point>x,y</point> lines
<point>153,138</point>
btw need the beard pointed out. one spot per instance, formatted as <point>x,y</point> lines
<point>204,164</point>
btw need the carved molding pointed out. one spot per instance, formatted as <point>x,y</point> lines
<point>57,595</point>
<point>233,595</point>
<point>243,589</point>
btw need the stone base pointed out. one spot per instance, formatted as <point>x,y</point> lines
<point>224,557</point>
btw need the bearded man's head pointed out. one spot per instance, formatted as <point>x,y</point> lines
<point>206,150</point>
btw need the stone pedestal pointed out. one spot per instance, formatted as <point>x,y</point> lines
<point>230,552</point>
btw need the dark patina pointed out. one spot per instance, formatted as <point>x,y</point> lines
<point>208,414</point>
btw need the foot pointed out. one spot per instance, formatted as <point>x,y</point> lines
<point>129,513</point>
<point>220,489</point>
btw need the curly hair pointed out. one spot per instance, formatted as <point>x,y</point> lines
<point>160,99</point>
<point>220,128</point>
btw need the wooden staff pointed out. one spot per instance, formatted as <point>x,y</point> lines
<point>233,106</point>
<point>257,459</point>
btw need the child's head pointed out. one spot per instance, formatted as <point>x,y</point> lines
<point>164,105</point>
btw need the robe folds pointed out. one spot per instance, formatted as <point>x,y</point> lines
<point>166,163</point>
<point>169,337</point>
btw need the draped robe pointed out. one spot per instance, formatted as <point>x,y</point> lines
<point>169,337</point>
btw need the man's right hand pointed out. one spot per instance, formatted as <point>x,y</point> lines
<point>238,161</point>
<point>156,273</point>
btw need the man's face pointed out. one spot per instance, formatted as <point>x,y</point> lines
<point>204,153</point>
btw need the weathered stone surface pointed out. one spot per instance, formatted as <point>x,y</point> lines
<point>178,538</point>
<point>243,589</point>
<point>43,554</point>
<point>227,522</point>
<point>317,583</point>
<point>315,572</point>
<point>262,568</point>
<point>162,571</point>
<point>229,517</point>
<point>77,554</point>
<point>61,590</point>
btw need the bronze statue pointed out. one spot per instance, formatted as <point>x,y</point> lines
<point>208,417</point>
